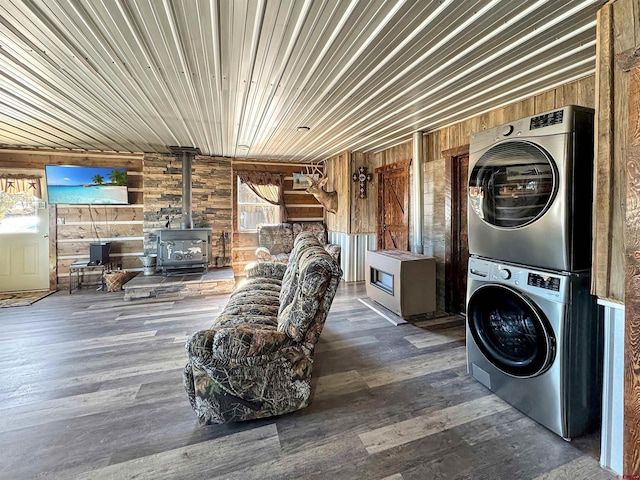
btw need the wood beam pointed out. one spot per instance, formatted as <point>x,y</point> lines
<point>632,284</point>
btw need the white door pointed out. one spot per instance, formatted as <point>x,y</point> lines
<point>24,235</point>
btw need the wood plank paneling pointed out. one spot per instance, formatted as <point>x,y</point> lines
<point>340,181</point>
<point>632,291</point>
<point>300,204</point>
<point>71,227</point>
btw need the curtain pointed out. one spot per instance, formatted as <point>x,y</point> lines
<point>20,183</point>
<point>267,186</point>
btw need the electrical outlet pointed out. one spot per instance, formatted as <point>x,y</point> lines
<point>60,220</point>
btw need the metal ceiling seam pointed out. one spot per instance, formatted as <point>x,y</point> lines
<point>291,84</point>
<point>477,109</point>
<point>408,103</point>
<point>350,55</point>
<point>560,18</point>
<point>255,41</point>
<point>26,111</point>
<point>162,57</point>
<point>16,129</point>
<point>131,60</point>
<point>294,86</point>
<point>48,58</point>
<point>38,126</point>
<point>170,12</point>
<point>157,69</point>
<point>511,81</point>
<point>126,115</point>
<point>455,32</point>
<point>361,48</point>
<point>274,67</point>
<point>217,69</point>
<point>358,86</point>
<point>299,24</point>
<point>475,83</point>
<point>108,106</point>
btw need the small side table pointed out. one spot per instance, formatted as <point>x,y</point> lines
<point>79,269</point>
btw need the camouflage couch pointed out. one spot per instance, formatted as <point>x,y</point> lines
<point>256,359</point>
<point>276,241</point>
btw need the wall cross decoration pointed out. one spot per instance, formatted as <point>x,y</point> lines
<point>363,177</point>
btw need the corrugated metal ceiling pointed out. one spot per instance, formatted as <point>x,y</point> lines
<point>236,77</point>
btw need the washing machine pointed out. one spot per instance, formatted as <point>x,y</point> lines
<point>534,338</point>
<point>530,190</point>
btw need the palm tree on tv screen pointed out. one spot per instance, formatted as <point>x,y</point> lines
<point>118,177</point>
<point>97,179</point>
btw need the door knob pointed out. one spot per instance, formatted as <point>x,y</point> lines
<point>46,235</point>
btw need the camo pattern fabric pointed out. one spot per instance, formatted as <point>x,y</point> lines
<point>256,360</point>
<point>276,243</point>
<point>277,238</point>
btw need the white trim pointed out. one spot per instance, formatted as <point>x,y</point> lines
<point>610,304</point>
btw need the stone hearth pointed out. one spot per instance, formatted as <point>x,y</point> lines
<point>215,281</point>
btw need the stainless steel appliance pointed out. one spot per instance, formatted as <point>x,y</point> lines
<point>530,190</point>
<point>534,338</point>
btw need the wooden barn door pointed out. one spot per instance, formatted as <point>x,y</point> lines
<point>393,206</point>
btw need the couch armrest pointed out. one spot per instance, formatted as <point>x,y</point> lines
<point>243,344</point>
<point>333,250</point>
<point>263,254</point>
<point>265,269</point>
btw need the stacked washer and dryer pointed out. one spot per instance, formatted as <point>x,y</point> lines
<point>534,336</point>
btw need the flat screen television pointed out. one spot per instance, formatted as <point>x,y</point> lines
<point>71,184</point>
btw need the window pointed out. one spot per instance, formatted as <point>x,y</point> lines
<point>19,202</point>
<point>253,211</point>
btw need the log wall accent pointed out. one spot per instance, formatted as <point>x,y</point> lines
<point>632,291</point>
<point>73,227</point>
<point>211,198</point>
<point>618,31</point>
<point>301,206</point>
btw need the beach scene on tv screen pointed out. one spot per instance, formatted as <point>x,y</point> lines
<point>86,185</point>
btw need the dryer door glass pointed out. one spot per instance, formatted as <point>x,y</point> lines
<point>512,184</point>
<point>510,331</point>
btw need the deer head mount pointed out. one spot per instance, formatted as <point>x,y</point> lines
<point>329,200</point>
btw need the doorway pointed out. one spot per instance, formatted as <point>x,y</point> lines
<point>24,233</point>
<point>456,235</point>
<point>393,206</point>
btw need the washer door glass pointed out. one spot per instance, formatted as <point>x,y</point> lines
<point>512,184</point>
<point>510,331</point>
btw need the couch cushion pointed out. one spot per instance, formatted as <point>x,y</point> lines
<point>318,230</point>
<point>316,270</point>
<point>278,238</point>
<point>289,280</point>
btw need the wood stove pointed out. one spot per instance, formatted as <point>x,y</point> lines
<point>184,251</point>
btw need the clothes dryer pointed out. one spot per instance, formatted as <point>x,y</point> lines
<point>530,190</point>
<point>534,338</point>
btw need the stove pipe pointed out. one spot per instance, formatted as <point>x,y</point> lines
<point>187,154</point>
<point>187,217</point>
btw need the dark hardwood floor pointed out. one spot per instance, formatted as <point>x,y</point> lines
<point>91,387</point>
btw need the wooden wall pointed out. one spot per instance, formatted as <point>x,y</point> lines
<point>618,31</point>
<point>73,227</point>
<point>339,180</point>
<point>301,206</point>
<point>617,248</point>
<point>361,218</point>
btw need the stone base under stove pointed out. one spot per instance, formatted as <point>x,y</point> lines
<point>215,281</point>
